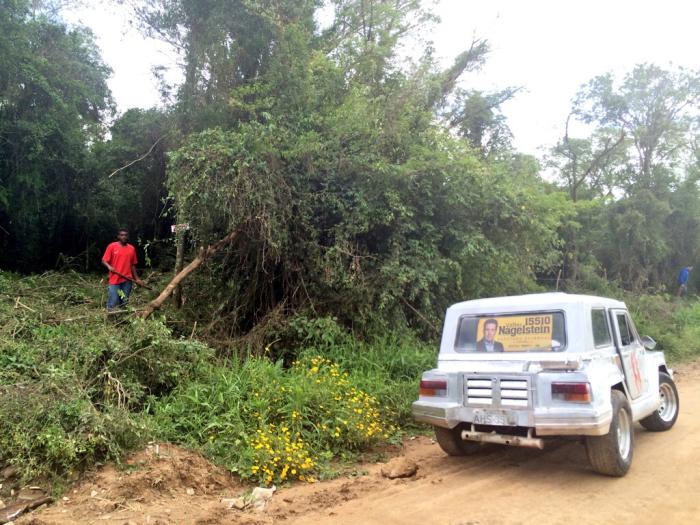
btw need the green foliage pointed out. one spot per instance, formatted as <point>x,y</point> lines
<point>72,383</point>
<point>78,388</point>
<point>656,109</point>
<point>130,191</point>
<point>673,323</point>
<point>353,201</point>
<point>274,423</point>
<point>640,159</point>
<point>225,44</point>
<point>477,117</point>
<point>51,428</point>
<point>53,97</point>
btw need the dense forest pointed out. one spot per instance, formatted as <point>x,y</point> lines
<point>360,192</point>
<point>363,185</point>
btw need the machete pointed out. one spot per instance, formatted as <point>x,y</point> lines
<point>131,279</point>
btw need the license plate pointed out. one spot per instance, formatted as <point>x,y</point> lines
<point>492,417</point>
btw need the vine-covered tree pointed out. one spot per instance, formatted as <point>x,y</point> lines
<point>349,196</point>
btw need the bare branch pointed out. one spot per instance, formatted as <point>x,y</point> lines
<point>204,254</point>
<point>137,160</point>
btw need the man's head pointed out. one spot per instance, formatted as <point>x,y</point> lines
<point>490,326</point>
<point>123,235</point>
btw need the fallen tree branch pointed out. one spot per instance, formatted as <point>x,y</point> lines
<point>421,316</point>
<point>19,303</point>
<point>12,512</point>
<point>203,255</point>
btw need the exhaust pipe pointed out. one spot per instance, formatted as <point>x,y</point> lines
<point>503,439</point>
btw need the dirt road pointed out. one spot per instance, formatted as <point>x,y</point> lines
<point>555,485</point>
<point>498,486</point>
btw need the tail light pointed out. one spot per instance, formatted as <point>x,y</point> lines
<point>433,387</point>
<point>578,392</point>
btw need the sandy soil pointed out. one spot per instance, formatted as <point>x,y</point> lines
<point>497,486</point>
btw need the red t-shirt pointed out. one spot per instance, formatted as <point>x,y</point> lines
<point>121,258</point>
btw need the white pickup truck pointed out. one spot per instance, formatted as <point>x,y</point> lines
<point>515,370</point>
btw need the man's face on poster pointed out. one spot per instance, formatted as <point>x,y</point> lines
<point>490,332</point>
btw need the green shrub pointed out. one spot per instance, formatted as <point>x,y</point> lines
<point>50,428</point>
<point>73,382</point>
<point>673,323</point>
<point>272,423</point>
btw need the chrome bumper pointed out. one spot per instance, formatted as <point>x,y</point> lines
<point>449,415</point>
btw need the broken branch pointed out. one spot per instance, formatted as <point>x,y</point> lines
<point>203,255</point>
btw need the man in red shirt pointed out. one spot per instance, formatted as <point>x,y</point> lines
<point>120,260</point>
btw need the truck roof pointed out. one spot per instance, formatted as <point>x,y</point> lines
<point>549,300</point>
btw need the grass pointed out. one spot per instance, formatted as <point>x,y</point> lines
<point>272,422</point>
<point>674,323</point>
<point>78,387</point>
<point>74,382</point>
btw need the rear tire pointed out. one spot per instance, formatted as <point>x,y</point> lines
<point>612,453</point>
<point>665,417</point>
<point>451,442</point>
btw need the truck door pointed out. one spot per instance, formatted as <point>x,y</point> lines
<point>631,351</point>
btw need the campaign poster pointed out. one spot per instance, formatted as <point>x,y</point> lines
<point>515,333</point>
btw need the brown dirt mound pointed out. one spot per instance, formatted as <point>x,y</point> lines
<point>162,484</point>
<point>161,470</point>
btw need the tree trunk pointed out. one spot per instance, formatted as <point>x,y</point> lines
<point>179,264</point>
<point>204,254</point>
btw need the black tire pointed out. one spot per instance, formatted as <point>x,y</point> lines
<point>612,453</point>
<point>451,442</point>
<point>665,417</point>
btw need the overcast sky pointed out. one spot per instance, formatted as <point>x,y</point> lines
<point>548,47</point>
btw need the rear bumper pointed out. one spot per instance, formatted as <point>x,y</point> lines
<point>437,415</point>
<point>586,422</point>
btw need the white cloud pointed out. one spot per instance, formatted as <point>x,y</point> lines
<point>552,47</point>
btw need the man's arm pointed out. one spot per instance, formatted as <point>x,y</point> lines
<point>135,274</point>
<point>107,259</point>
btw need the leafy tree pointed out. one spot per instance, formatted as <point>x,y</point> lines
<point>636,160</point>
<point>130,170</point>
<point>351,199</point>
<point>224,44</point>
<point>656,109</point>
<point>53,97</point>
<point>478,118</point>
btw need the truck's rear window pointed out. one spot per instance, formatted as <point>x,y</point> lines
<point>528,332</point>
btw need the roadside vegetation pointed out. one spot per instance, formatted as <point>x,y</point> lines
<point>79,387</point>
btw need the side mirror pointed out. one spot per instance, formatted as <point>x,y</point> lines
<point>648,342</point>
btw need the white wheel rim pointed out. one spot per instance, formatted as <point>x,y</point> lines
<point>624,433</point>
<point>669,403</point>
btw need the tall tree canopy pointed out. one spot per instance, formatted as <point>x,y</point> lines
<point>363,181</point>
<point>53,98</point>
<point>351,198</point>
<point>639,158</point>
